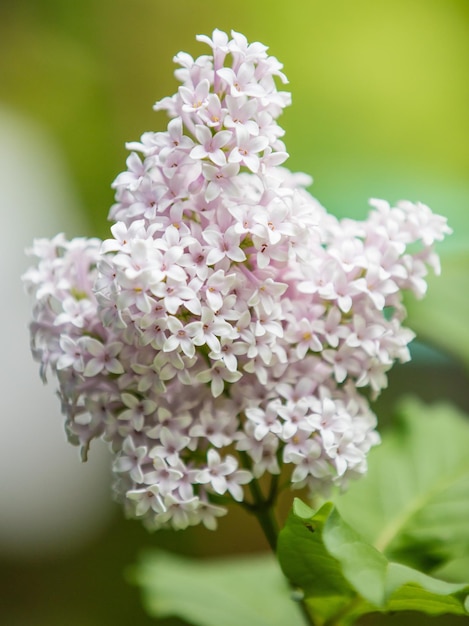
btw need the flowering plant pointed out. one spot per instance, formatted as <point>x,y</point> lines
<point>231,330</point>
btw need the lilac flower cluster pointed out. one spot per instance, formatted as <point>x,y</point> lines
<point>227,328</point>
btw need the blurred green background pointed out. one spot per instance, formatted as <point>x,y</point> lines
<point>380,109</point>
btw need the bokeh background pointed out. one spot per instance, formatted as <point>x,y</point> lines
<point>380,109</point>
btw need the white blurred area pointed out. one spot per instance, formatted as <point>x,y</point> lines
<point>50,502</point>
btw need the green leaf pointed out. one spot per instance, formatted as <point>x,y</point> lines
<point>344,577</point>
<point>308,564</point>
<point>455,570</point>
<point>228,592</point>
<point>374,547</point>
<point>413,505</point>
<point>441,318</point>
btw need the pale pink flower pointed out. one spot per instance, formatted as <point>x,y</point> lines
<point>211,145</point>
<point>217,375</point>
<point>216,427</point>
<point>131,459</point>
<point>137,409</point>
<point>72,354</point>
<point>223,475</point>
<point>217,286</point>
<point>103,357</point>
<point>227,312</point>
<point>247,150</point>
<point>223,244</point>
<point>219,179</point>
<point>194,98</point>
<point>265,421</point>
<point>241,113</point>
<point>181,337</point>
<point>242,82</point>
<point>146,499</point>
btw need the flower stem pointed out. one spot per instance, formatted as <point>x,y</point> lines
<point>264,513</point>
<point>263,509</point>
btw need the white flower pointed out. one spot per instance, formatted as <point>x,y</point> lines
<point>247,150</point>
<point>217,375</point>
<point>136,409</point>
<point>215,427</point>
<point>172,442</point>
<point>162,475</point>
<point>103,357</point>
<point>131,459</point>
<point>265,421</point>
<point>217,286</point>
<point>210,145</point>
<point>223,244</point>
<point>146,499</point>
<point>181,337</point>
<point>228,313</point>
<point>223,475</point>
<point>72,354</point>
<point>194,99</point>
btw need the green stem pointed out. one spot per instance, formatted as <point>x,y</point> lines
<point>263,509</point>
<point>274,490</point>
<point>265,516</point>
<point>264,513</point>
